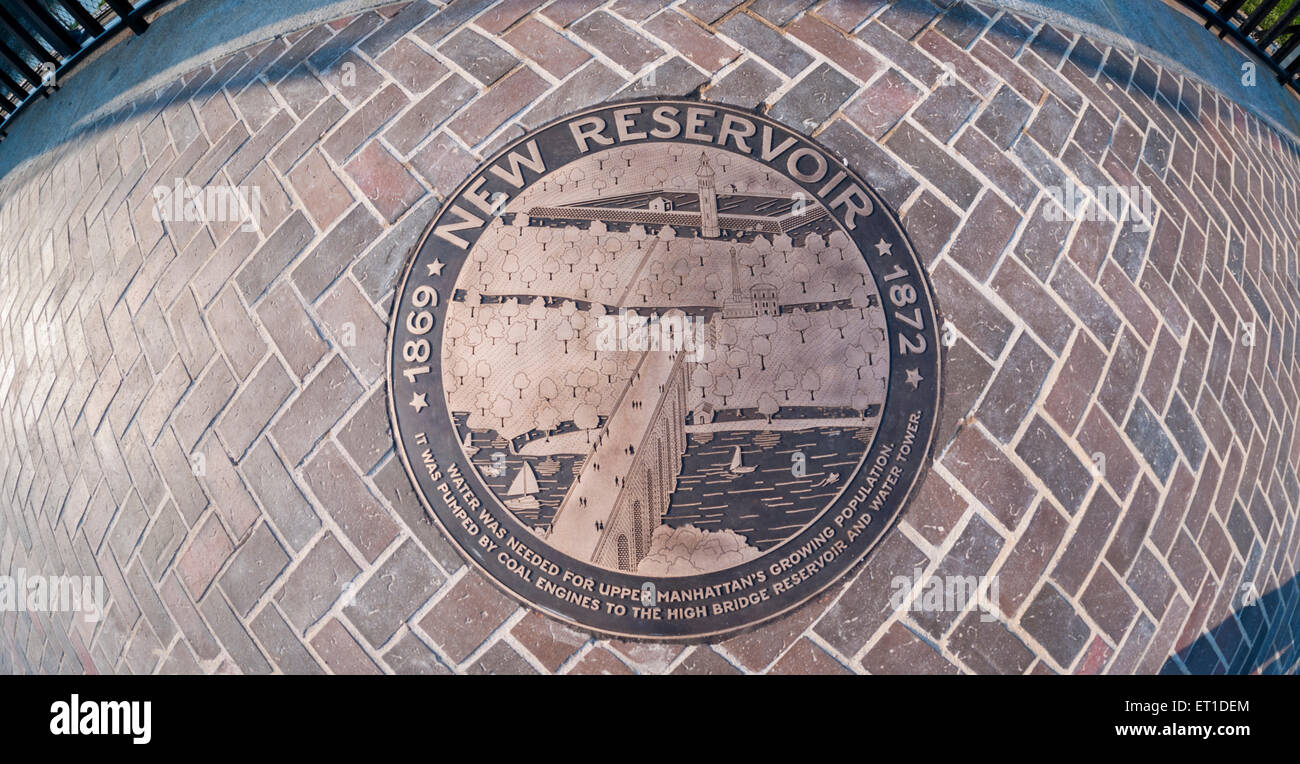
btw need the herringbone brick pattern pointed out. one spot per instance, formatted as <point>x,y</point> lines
<point>196,412</point>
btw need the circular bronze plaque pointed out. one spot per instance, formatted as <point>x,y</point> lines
<point>664,369</point>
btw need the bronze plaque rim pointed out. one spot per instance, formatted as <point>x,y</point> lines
<point>898,500</point>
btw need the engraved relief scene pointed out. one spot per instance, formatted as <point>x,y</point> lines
<point>665,359</point>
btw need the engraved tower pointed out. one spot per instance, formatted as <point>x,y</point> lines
<point>708,200</point>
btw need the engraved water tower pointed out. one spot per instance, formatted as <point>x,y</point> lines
<point>708,200</point>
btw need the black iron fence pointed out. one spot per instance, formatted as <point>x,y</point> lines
<point>40,39</point>
<point>1269,29</point>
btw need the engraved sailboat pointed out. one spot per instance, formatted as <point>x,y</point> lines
<point>737,465</point>
<point>468,444</point>
<point>522,488</point>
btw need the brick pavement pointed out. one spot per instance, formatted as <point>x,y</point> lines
<point>196,412</point>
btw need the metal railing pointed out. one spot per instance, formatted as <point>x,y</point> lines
<point>1269,29</point>
<point>41,39</point>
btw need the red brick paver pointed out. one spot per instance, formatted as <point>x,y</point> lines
<point>184,410</point>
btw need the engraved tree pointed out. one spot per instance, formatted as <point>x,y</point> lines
<point>727,336</point>
<point>816,245</point>
<point>455,330</point>
<point>801,275</point>
<point>474,338</point>
<point>657,270</point>
<point>637,233</point>
<point>786,381</point>
<point>501,409</point>
<point>702,378</point>
<point>746,260</point>
<point>517,335</point>
<point>782,243</point>
<point>800,323</point>
<point>668,286</point>
<point>612,246</point>
<point>528,275</point>
<point>857,358</point>
<point>681,269</point>
<point>838,320</point>
<point>588,379</point>
<point>810,384</point>
<point>547,390</point>
<point>838,241</point>
<point>861,401</point>
<point>494,330</point>
<point>738,359</point>
<point>713,284</point>
<point>666,234</point>
<point>537,311</point>
<point>564,333</point>
<point>860,298</point>
<point>762,347</point>
<point>509,310</point>
<point>576,176</point>
<point>571,257</point>
<point>573,235</point>
<point>586,418</point>
<point>764,248</point>
<point>699,249</point>
<point>548,419</point>
<point>724,388</point>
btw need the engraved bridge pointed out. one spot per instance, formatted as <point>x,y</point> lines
<point>636,458</point>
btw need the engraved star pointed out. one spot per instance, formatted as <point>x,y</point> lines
<point>884,248</point>
<point>435,267</point>
<point>914,378</point>
<point>418,402</point>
